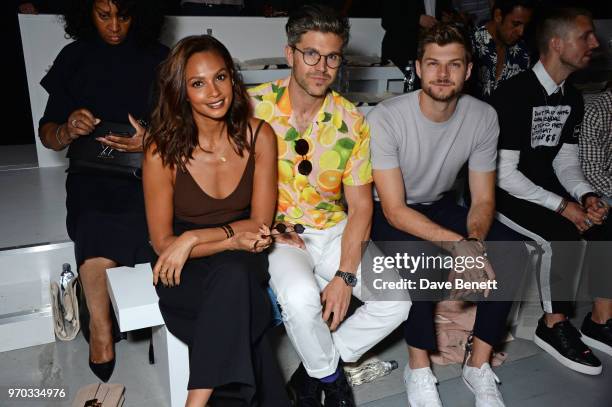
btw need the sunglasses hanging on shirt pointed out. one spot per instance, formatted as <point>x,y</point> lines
<point>301,147</point>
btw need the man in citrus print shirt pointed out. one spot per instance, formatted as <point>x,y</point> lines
<point>323,160</point>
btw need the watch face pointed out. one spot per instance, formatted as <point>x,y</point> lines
<point>349,278</point>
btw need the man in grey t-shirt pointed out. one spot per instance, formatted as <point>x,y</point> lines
<point>430,154</point>
<point>419,143</point>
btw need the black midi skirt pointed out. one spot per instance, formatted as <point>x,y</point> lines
<point>222,312</point>
<point>106,218</point>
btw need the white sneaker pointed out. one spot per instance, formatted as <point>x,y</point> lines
<point>483,383</point>
<point>421,387</point>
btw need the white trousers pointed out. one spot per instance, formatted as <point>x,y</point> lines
<point>297,278</point>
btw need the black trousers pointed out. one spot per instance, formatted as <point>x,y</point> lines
<point>222,312</point>
<point>556,276</point>
<point>508,262</point>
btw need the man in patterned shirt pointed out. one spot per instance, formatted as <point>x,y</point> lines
<point>323,160</point>
<point>499,52</point>
<point>596,143</point>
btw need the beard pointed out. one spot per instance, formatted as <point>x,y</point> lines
<point>576,65</point>
<point>312,90</point>
<point>441,97</point>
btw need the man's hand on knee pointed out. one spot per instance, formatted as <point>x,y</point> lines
<point>335,298</point>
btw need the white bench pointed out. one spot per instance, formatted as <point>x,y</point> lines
<point>135,303</point>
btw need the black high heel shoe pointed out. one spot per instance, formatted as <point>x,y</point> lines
<point>103,370</point>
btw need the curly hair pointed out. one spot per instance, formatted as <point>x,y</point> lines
<point>173,129</point>
<point>147,19</point>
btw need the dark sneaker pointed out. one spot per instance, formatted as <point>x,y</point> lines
<point>338,393</point>
<point>562,342</point>
<point>598,336</point>
<point>304,391</point>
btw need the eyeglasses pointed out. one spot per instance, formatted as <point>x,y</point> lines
<point>312,57</point>
<point>301,148</point>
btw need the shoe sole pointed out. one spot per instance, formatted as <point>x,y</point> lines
<point>595,344</point>
<point>578,367</point>
<point>410,404</point>
<point>469,386</point>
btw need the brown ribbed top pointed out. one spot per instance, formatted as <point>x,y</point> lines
<point>193,204</point>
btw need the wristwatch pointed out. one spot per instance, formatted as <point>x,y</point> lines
<point>349,279</point>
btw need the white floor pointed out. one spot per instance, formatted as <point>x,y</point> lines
<point>529,376</point>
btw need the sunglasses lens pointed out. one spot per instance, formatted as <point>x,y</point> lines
<point>299,229</point>
<point>301,146</point>
<point>305,167</point>
<point>280,228</point>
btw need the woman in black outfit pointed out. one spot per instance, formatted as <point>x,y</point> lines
<point>105,75</point>
<point>210,185</point>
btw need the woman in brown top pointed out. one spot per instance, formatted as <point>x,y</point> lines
<point>209,177</point>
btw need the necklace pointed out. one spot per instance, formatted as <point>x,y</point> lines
<point>221,155</point>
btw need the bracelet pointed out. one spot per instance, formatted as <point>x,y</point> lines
<point>562,205</point>
<point>57,137</point>
<point>229,232</point>
<point>225,230</point>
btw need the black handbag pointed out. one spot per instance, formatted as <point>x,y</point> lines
<point>86,154</point>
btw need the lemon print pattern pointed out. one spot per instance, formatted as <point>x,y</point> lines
<point>329,180</point>
<point>338,139</point>
<point>330,160</point>
<point>294,212</point>
<point>365,171</point>
<point>282,147</point>
<point>285,171</point>
<point>300,182</point>
<point>327,135</point>
<point>265,110</point>
<point>344,147</point>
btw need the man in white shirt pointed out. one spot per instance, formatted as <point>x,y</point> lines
<point>543,190</point>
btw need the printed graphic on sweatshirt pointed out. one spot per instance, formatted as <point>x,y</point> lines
<point>547,123</point>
